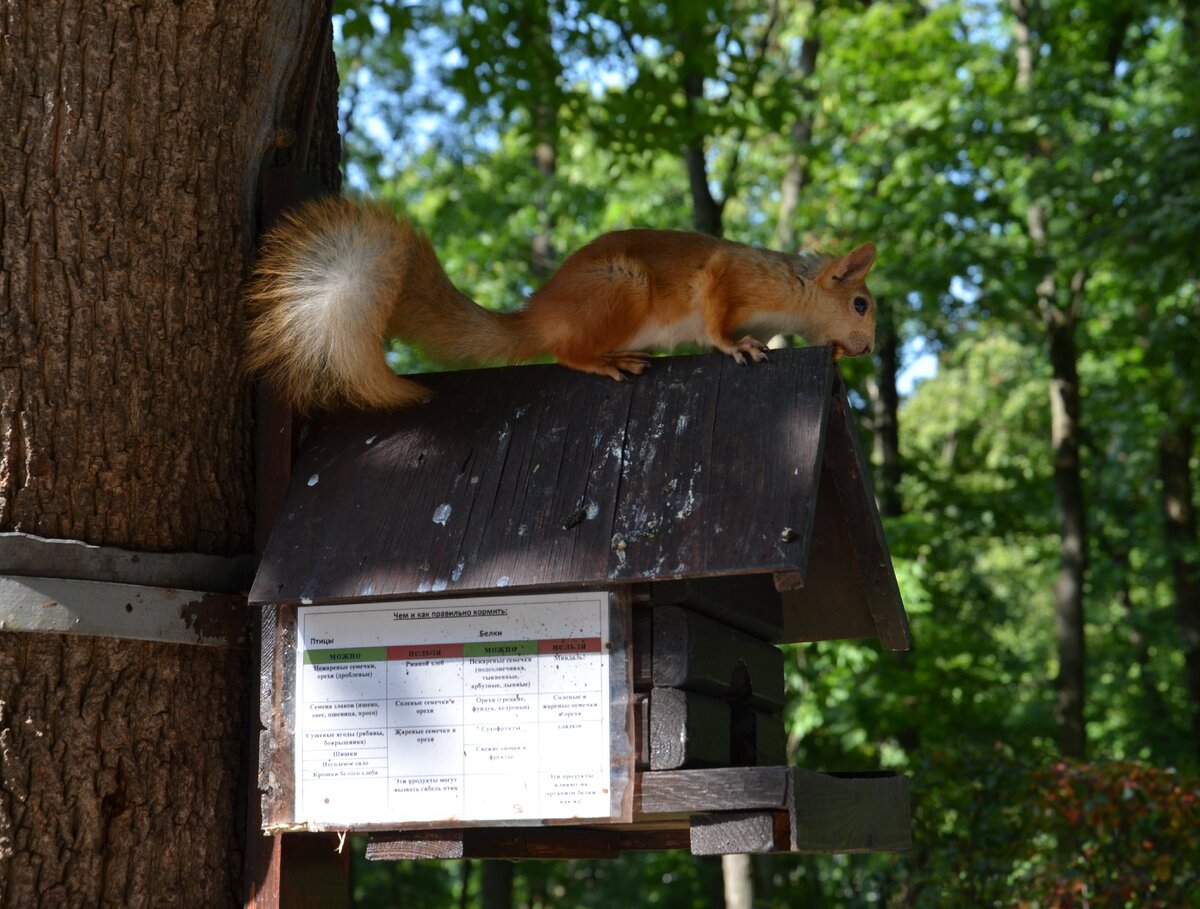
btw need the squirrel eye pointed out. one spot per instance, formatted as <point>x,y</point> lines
<point>861,305</point>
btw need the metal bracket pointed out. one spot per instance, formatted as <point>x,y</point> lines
<point>70,587</point>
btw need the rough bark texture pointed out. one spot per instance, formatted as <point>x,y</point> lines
<point>96,812</point>
<point>132,137</point>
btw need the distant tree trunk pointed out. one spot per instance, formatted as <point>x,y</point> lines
<point>800,150</point>
<point>707,212</point>
<point>464,892</point>
<point>535,29</point>
<point>739,881</point>
<point>496,891</point>
<point>1072,521</point>
<point>126,224</point>
<point>1158,713</point>
<point>1175,448</point>
<point>695,46</point>
<point>1060,322</point>
<point>885,415</point>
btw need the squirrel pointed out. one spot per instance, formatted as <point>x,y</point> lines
<point>336,276</point>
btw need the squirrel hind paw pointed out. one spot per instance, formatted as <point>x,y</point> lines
<point>618,366</point>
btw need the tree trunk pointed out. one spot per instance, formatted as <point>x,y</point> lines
<point>706,210</point>
<point>885,415</point>
<point>1060,322</point>
<point>801,144</point>
<point>137,130</point>
<point>1158,713</point>
<point>1072,521</point>
<point>1175,447</point>
<point>535,30</point>
<point>739,881</point>
<point>496,890</point>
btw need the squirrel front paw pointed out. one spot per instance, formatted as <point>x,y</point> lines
<point>755,348</point>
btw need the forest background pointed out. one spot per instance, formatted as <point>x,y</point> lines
<point>1030,170</point>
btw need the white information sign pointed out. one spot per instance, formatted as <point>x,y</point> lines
<point>467,710</point>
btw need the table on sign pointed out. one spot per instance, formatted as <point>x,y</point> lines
<point>466,711</point>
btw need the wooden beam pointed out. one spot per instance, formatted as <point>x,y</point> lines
<point>849,812</point>
<point>739,832</point>
<point>695,652</point>
<point>844,459</point>
<point>687,730</point>
<point>747,602</point>
<point>710,789</point>
<point>712,812</point>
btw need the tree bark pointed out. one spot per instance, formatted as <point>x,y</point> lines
<point>1175,447</point>
<point>134,133</point>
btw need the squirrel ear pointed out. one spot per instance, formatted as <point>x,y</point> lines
<point>855,265</point>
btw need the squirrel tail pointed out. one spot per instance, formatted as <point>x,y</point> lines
<point>333,279</point>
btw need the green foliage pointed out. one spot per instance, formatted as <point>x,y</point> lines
<point>914,131</point>
<point>1002,831</point>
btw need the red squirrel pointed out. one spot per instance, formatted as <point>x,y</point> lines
<point>337,276</point>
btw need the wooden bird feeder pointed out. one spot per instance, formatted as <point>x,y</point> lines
<point>537,616</point>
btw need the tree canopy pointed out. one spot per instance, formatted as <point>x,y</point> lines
<point>1030,171</point>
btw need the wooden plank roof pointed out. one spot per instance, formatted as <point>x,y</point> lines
<point>539,477</point>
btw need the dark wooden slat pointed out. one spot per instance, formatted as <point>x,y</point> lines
<point>688,432</point>
<point>846,464</point>
<point>849,812</point>
<point>694,652</point>
<point>497,842</point>
<point>739,832</point>
<point>406,845</point>
<point>710,789</point>
<point>643,638</point>
<point>756,738</point>
<point>715,811</point>
<point>316,874</point>
<point>711,734</point>
<point>277,686</point>
<point>749,603</point>
<point>524,843</point>
<point>641,730</point>
<point>832,604</point>
<point>539,476</point>
<point>687,730</point>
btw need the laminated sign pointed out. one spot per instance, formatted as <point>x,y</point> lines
<point>459,711</point>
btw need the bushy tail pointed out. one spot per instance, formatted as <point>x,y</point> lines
<point>332,280</point>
